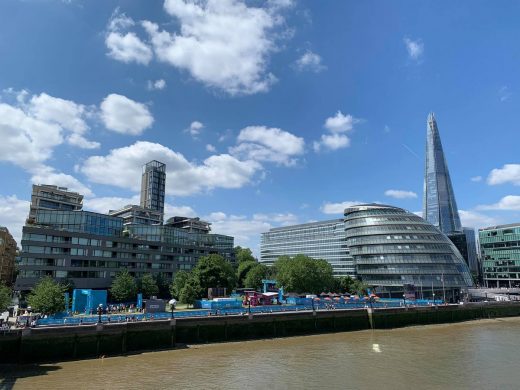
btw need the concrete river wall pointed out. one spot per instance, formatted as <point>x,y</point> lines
<point>86,341</point>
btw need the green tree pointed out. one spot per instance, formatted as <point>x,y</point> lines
<point>164,285</point>
<point>124,287</point>
<point>47,297</point>
<point>303,274</point>
<point>255,275</point>
<point>243,268</point>
<point>148,286</point>
<point>243,254</point>
<point>5,297</point>
<point>213,271</point>
<point>178,283</point>
<point>190,291</point>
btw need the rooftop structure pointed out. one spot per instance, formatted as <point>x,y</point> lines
<point>133,214</point>
<point>192,225</point>
<point>50,197</point>
<point>153,183</point>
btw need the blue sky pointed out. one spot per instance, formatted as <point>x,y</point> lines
<point>266,113</point>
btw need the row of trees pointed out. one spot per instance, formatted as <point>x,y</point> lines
<point>299,274</point>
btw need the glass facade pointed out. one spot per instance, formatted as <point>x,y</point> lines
<point>500,253</point>
<point>90,248</point>
<point>319,240</point>
<point>439,206</point>
<point>153,183</point>
<point>392,248</point>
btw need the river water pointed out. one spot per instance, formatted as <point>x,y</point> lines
<point>472,355</point>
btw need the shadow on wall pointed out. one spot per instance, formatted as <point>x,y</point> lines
<point>9,374</point>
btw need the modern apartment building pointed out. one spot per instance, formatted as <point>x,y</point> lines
<point>393,248</point>
<point>7,256</point>
<point>319,240</point>
<point>153,184</point>
<point>500,253</point>
<point>91,248</point>
<point>50,197</point>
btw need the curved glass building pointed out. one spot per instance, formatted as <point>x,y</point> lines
<point>398,251</point>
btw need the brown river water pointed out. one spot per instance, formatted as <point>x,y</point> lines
<point>472,355</point>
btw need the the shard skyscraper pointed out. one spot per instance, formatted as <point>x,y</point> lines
<point>439,206</point>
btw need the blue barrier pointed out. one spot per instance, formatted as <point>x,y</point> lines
<point>114,318</point>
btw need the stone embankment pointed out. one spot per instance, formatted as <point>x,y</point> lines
<point>87,341</point>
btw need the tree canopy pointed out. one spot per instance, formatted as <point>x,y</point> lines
<point>47,297</point>
<point>5,297</point>
<point>243,255</point>
<point>214,271</point>
<point>243,268</point>
<point>255,275</point>
<point>124,287</point>
<point>178,283</point>
<point>303,274</point>
<point>148,286</point>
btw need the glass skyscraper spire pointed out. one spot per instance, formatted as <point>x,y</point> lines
<point>439,206</point>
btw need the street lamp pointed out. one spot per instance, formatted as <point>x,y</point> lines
<point>404,300</point>
<point>172,303</point>
<point>99,312</point>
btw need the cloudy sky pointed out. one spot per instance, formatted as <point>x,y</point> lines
<point>267,113</point>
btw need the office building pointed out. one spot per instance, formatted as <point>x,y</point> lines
<point>396,251</point>
<point>319,240</point>
<point>192,225</point>
<point>50,197</point>
<point>153,183</point>
<point>500,251</point>
<point>7,256</point>
<point>439,206</point>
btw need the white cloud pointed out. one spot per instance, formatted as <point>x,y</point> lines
<point>211,148</point>
<point>310,61</point>
<point>504,93</point>
<point>400,194</point>
<point>104,204</point>
<point>156,85</point>
<point>224,44</point>
<point>340,123</point>
<point>47,175</point>
<point>331,142</point>
<point>338,208</point>
<point>123,115</point>
<point>476,220</point>
<point>81,142</point>
<point>181,211</point>
<point>509,173</point>
<point>195,128</point>
<point>476,179</point>
<point>509,202</point>
<point>415,48</point>
<point>123,45</point>
<point>335,139</point>
<point>260,143</point>
<point>279,218</point>
<point>122,168</point>
<point>30,130</point>
<point>13,213</point>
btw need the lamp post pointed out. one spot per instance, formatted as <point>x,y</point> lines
<point>404,300</point>
<point>99,312</point>
<point>172,303</point>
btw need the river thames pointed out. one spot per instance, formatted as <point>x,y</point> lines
<point>472,355</point>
